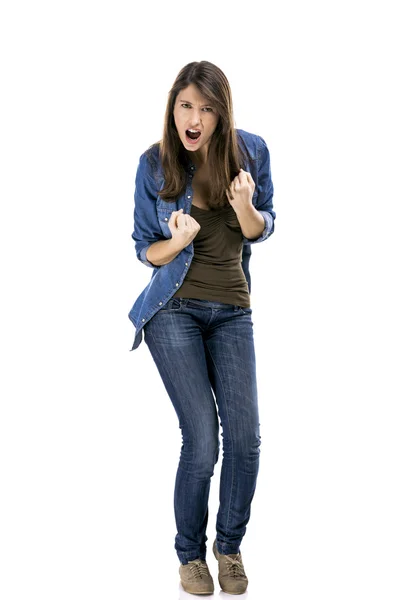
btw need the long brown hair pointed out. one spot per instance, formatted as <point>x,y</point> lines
<point>225,155</point>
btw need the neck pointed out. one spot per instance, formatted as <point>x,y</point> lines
<point>200,158</point>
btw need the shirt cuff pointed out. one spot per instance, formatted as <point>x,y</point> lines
<point>143,259</point>
<point>268,229</point>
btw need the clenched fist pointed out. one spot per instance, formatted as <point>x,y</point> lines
<point>240,191</point>
<point>183,227</point>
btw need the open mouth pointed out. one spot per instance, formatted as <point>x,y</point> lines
<point>192,136</point>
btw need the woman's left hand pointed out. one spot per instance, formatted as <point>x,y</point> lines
<point>241,191</point>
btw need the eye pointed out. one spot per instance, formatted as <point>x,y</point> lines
<point>207,108</point>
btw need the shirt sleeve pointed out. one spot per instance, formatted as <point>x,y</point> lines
<point>146,226</point>
<point>265,189</point>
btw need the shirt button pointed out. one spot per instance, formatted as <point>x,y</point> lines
<point>186,264</point>
<point>166,219</point>
<point>189,196</point>
<point>177,284</point>
<point>192,168</point>
<point>143,320</point>
<point>160,303</point>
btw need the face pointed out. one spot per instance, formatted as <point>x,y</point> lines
<point>192,111</point>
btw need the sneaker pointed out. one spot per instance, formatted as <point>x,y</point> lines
<point>196,578</point>
<point>231,575</point>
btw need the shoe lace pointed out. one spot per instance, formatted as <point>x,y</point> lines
<point>198,568</point>
<point>235,566</point>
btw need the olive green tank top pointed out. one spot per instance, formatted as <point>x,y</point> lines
<point>215,272</point>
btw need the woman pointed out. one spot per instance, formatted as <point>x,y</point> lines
<point>203,195</point>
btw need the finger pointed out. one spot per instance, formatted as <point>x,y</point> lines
<point>249,177</point>
<point>243,176</point>
<point>175,215</point>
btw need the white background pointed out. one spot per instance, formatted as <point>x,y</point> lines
<point>89,439</point>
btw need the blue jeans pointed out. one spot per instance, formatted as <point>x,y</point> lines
<point>201,347</point>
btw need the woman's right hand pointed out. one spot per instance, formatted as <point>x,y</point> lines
<point>183,227</point>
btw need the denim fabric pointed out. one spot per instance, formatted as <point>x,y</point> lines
<point>204,352</point>
<point>151,216</point>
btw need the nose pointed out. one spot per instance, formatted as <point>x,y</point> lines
<point>195,121</point>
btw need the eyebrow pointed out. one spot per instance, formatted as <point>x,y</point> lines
<point>187,102</point>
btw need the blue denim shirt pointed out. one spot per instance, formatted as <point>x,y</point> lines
<point>151,216</point>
